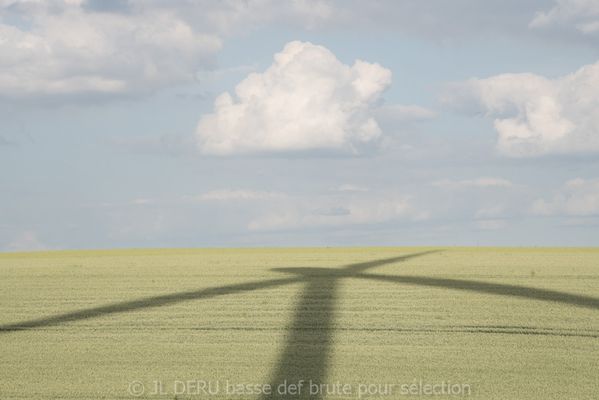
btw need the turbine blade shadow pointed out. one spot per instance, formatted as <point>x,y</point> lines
<point>491,288</point>
<point>158,301</point>
<point>363,266</point>
<point>307,350</point>
<point>148,302</point>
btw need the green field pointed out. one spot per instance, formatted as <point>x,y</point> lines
<point>499,323</point>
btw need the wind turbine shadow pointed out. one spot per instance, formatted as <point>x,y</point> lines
<point>148,302</point>
<point>307,350</point>
<point>306,354</point>
<point>490,288</point>
<point>363,266</point>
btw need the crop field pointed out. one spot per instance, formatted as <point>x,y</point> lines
<point>337,323</point>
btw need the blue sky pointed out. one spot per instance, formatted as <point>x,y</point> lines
<point>251,123</point>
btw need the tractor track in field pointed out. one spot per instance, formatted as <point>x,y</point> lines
<point>458,329</point>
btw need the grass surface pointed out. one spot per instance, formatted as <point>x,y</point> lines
<point>510,323</point>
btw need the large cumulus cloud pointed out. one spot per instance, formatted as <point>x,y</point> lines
<point>307,99</point>
<point>534,115</point>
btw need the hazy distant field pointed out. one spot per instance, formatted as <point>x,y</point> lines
<point>501,323</point>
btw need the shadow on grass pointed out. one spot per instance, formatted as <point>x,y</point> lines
<point>307,349</point>
<point>491,288</point>
<point>148,302</point>
<point>306,354</point>
<point>173,298</point>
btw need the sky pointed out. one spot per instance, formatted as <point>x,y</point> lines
<point>149,123</point>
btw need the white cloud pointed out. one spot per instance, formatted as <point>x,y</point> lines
<point>71,48</point>
<point>364,211</point>
<point>404,113</point>
<point>100,47</point>
<point>236,194</point>
<point>582,15</point>
<point>346,187</point>
<point>61,49</point>
<point>307,99</point>
<point>578,197</point>
<point>142,201</point>
<point>534,115</point>
<point>478,182</point>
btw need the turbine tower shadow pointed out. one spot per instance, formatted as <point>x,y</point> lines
<point>307,351</point>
